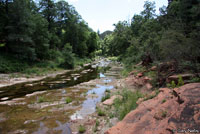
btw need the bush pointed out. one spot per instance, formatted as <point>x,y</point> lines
<point>81,129</point>
<point>9,64</point>
<point>180,81</point>
<point>127,103</point>
<point>40,99</point>
<point>171,85</point>
<point>107,96</point>
<point>68,100</point>
<point>100,112</point>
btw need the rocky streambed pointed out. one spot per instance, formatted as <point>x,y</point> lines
<point>58,104</point>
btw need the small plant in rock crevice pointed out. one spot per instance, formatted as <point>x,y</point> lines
<point>81,129</point>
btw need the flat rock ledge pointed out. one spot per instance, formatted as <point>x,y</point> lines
<point>172,111</point>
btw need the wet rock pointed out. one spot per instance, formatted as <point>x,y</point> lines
<point>20,132</point>
<point>45,104</point>
<point>155,117</point>
<point>18,99</point>
<point>111,100</point>
<point>29,121</point>
<point>35,93</point>
<point>12,102</point>
<point>5,98</point>
<point>28,85</point>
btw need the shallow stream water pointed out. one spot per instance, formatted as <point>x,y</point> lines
<point>40,107</point>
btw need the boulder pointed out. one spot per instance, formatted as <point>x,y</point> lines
<point>167,113</point>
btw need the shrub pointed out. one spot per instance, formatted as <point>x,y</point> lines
<point>163,101</point>
<point>68,100</point>
<point>100,112</point>
<point>96,126</point>
<point>81,129</point>
<point>107,91</point>
<point>164,113</point>
<point>40,99</point>
<point>127,103</point>
<point>195,79</point>
<point>107,96</point>
<point>180,81</point>
<point>171,85</point>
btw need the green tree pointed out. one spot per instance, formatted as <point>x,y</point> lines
<point>20,30</point>
<point>149,10</point>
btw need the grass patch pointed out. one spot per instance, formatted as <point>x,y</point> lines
<point>105,97</point>
<point>41,99</point>
<point>81,129</point>
<point>127,103</point>
<point>107,91</point>
<point>68,100</point>
<point>195,79</point>
<point>113,58</point>
<point>163,101</point>
<point>100,112</point>
<point>96,126</point>
<point>164,114</point>
<point>174,85</point>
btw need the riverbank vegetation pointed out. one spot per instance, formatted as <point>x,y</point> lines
<point>46,34</point>
<point>172,36</point>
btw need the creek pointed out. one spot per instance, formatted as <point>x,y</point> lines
<point>41,107</point>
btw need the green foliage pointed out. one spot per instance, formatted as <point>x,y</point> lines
<point>174,85</point>
<point>68,100</point>
<point>195,79</point>
<point>41,99</point>
<point>180,81</point>
<point>81,129</point>
<point>174,35</point>
<point>107,91</point>
<point>107,96</point>
<point>9,64</point>
<point>164,113</point>
<point>68,57</point>
<point>127,103</point>
<point>46,31</point>
<point>163,101</point>
<point>171,85</point>
<point>100,112</point>
<point>96,126</point>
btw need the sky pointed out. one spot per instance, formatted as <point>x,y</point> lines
<point>102,14</point>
